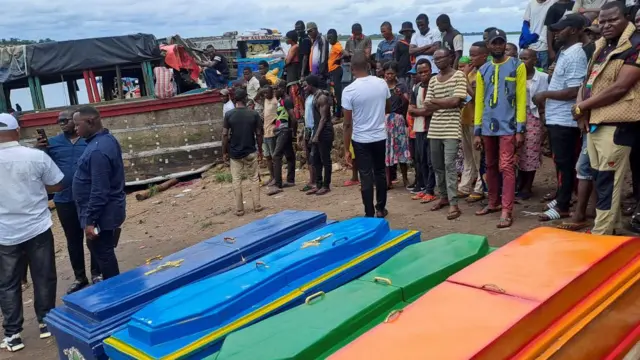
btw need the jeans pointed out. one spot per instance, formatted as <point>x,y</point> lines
<point>371,168</point>
<point>322,158</point>
<point>41,258</point>
<point>336,78</point>
<point>68,215</point>
<point>443,158</point>
<point>583,167</point>
<point>284,146</point>
<point>564,141</point>
<point>470,180</point>
<point>248,164</point>
<point>104,250</point>
<point>213,79</point>
<point>500,157</point>
<point>427,178</point>
<point>543,59</point>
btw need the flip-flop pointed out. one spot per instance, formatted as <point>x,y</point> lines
<point>351,183</point>
<point>474,198</point>
<point>454,215</point>
<point>312,191</point>
<point>462,195</point>
<point>427,198</point>
<point>573,226</point>
<point>552,214</point>
<point>504,223</point>
<point>239,213</point>
<point>488,210</point>
<point>274,191</point>
<point>306,188</point>
<point>439,206</point>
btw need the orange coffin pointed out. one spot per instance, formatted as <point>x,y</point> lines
<point>496,306</point>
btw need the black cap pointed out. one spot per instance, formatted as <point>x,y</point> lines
<point>407,26</point>
<point>496,34</point>
<point>572,20</point>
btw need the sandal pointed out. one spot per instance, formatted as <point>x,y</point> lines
<point>322,191</point>
<point>239,212</point>
<point>427,198</point>
<point>452,215</point>
<point>573,226</point>
<point>550,205</point>
<point>258,209</point>
<point>475,197</point>
<point>312,191</point>
<point>440,205</point>
<point>462,195</point>
<point>351,183</point>
<point>306,188</point>
<point>552,214</point>
<point>504,222</point>
<point>488,210</point>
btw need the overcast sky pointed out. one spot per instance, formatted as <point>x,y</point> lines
<point>75,19</point>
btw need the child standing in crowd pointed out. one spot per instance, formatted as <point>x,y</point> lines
<point>530,159</point>
<point>397,140</point>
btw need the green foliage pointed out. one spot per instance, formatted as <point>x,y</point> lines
<point>16,41</point>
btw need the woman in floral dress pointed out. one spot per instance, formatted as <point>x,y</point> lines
<point>397,133</point>
<point>529,154</point>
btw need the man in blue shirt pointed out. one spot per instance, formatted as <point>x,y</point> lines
<point>387,46</point>
<point>65,149</point>
<point>98,189</point>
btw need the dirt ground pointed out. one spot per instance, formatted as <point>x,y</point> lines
<point>186,215</point>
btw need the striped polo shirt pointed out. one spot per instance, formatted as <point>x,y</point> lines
<point>445,123</point>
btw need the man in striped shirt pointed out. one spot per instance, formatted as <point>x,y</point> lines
<point>445,96</point>
<point>164,88</point>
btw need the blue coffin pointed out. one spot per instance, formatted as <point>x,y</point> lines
<point>91,315</point>
<point>191,322</point>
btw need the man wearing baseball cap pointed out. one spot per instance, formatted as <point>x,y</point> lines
<point>500,116</point>
<point>25,228</point>
<point>557,102</point>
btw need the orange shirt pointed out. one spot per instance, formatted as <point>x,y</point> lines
<point>334,55</point>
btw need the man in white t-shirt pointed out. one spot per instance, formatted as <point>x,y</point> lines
<point>535,14</point>
<point>228,103</point>
<point>365,102</point>
<point>425,41</point>
<point>252,83</point>
<point>25,228</point>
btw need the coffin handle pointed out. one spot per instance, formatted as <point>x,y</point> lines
<point>309,299</point>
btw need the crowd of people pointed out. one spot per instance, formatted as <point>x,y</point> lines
<point>83,166</point>
<point>473,127</point>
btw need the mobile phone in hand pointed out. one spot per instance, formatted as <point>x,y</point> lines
<point>42,135</point>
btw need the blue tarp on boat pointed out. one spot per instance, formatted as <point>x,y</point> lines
<point>89,316</point>
<point>192,321</point>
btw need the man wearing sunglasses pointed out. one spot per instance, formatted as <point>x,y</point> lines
<point>65,149</point>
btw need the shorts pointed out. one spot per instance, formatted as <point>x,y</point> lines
<point>269,146</point>
<point>583,167</point>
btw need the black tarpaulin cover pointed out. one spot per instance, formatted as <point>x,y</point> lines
<point>77,55</point>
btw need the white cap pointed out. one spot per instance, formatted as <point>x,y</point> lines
<point>8,122</point>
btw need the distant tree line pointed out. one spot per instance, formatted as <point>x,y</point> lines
<point>16,41</point>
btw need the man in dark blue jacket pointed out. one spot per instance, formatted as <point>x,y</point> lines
<point>65,149</point>
<point>98,189</point>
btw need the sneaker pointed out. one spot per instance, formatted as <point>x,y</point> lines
<point>13,343</point>
<point>96,279</point>
<point>44,331</point>
<point>417,190</point>
<point>77,286</point>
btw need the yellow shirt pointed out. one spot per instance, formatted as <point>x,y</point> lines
<point>468,111</point>
<point>272,76</point>
<point>334,55</point>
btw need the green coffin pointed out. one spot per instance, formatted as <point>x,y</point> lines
<point>326,322</point>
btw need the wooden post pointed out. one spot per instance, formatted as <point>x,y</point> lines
<point>94,86</point>
<point>119,81</point>
<point>39,93</point>
<point>87,83</point>
<point>34,94</point>
<point>3,100</point>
